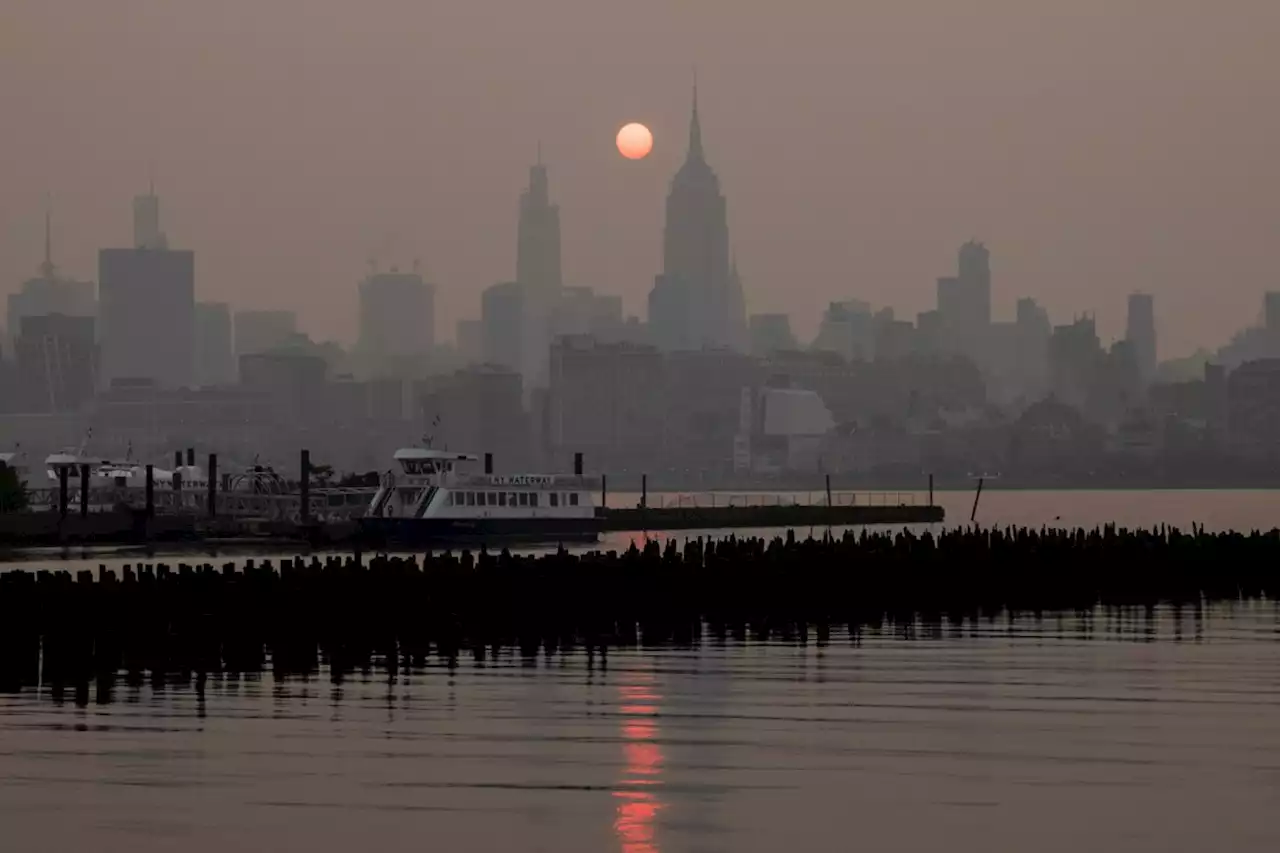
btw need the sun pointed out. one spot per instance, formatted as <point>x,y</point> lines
<point>635,141</point>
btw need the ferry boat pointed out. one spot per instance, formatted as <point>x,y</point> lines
<point>431,501</point>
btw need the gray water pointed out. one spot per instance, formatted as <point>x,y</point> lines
<point>1066,734</point>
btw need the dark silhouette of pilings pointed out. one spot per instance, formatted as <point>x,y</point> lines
<point>172,623</point>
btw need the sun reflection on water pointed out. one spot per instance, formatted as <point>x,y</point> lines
<point>636,795</point>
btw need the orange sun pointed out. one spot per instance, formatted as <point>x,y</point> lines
<point>635,141</point>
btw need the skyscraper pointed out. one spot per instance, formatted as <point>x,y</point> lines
<point>696,254</point>
<point>538,234</point>
<point>397,321</point>
<point>538,274</point>
<point>964,302</point>
<point>1140,331</point>
<point>147,309</point>
<point>50,292</point>
<point>146,222</point>
<point>215,352</point>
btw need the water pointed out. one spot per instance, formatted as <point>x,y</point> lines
<point>1066,734</point>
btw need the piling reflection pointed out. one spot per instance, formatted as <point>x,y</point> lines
<point>637,794</point>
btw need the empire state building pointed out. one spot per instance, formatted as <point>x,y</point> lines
<point>697,301</point>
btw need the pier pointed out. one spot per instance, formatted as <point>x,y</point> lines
<point>186,621</point>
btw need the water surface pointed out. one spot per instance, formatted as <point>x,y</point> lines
<point>1108,733</point>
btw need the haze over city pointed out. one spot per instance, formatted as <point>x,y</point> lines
<point>1096,148</point>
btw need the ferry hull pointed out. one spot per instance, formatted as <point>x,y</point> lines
<point>420,532</point>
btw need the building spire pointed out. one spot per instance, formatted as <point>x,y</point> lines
<point>695,126</point>
<point>46,268</point>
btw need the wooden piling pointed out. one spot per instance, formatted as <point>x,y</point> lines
<point>84,490</point>
<point>828,490</point>
<point>488,463</point>
<point>213,485</point>
<point>930,490</point>
<point>976,497</point>
<point>604,490</point>
<point>62,491</point>
<point>151,491</point>
<point>644,491</point>
<point>304,484</point>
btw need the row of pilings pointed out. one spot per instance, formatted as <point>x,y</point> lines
<point>391,612</point>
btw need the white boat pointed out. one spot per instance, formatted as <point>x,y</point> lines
<point>430,499</point>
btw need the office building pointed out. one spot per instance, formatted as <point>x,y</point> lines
<point>397,321</point>
<point>215,345</point>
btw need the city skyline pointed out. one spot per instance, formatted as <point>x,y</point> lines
<point>857,181</point>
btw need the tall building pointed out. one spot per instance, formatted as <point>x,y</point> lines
<point>397,321</point>
<point>696,259</point>
<point>146,222</point>
<point>1271,312</point>
<point>847,328</point>
<point>260,331</point>
<point>771,333</point>
<point>49,292</point>
<point>56,359</point>
<point>469,338</point>
<point>502,313</point>
<point>1140,332</point>
<point>147,311</point>
<point>964,302</point>
<point>215,348</point>
<point>538,235</point>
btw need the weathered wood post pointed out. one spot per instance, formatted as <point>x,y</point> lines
<point>151,491</point>
<point>644,491</point>
<point>828,491</point>
<point>304,484</point>
<point>213,485</point>
<point>604,491</point>
<point>977,495</point>
<point>488,463</point>
<point>177,459</point>
<point>930,490</point>
<point>577,464</point>
<point>63,472</point>
<point>84,490</point>
<point>191,457</point>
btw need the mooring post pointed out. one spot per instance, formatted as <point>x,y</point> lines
<point>930,490</point>
<point>976,497</point>
<point>84,490</point>
<point>644,491</point>
<point>488,463</point>
<point>213,485</point>
<point>304,483</point>
<point>177,459</point>
<point>577,464</point>
<point>151,491</point>
<point>828,491</point>
<point>63,472</point>
<point>604,491</point>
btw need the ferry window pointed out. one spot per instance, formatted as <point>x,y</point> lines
<point>573,499</point>
<point>533,499</point>
<point>502,498</point>
<point>511,498</point>
<point>555,499</point>
<point>471,498</point>
<point>524,498</point>
<point>493,499</point>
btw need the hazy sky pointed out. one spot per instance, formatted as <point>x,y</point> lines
<point>1097,146</point>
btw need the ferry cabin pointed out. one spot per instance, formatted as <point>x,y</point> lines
<point>430,486</point>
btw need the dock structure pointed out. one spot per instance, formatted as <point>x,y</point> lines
<point>185,622</point>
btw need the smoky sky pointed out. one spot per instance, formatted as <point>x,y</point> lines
<point>1096,146</point>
